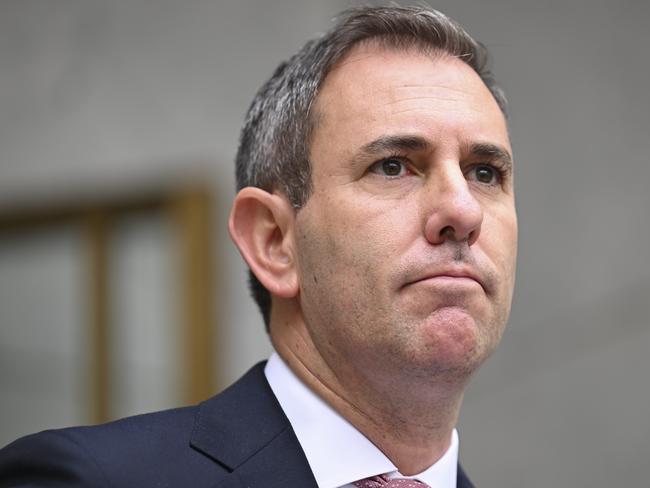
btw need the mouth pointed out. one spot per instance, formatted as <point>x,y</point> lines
<point>452,277</point>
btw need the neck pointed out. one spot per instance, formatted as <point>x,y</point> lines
<point>410,418</point>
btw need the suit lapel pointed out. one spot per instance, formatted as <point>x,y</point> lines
<point>245,430</point>
<point>462,481</point>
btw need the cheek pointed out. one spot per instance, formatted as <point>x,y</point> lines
<point>349,252</point>
<point>499,243</point>
<point>353,245</point>
<point>377,225</point>
<point>500,230</point>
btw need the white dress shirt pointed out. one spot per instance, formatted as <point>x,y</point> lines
<point>338,453</point>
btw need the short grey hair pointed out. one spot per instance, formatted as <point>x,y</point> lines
<point>275,140</point>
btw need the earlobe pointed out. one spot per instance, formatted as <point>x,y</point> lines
<point>261,226</point>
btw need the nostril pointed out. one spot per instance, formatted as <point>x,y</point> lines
<point>448,232</point>
<point>473,236</point>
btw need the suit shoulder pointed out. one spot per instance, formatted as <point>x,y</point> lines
<point>120,453</point>
<point>49,457</point>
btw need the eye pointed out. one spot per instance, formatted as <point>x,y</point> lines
<point>390,168</point>
<point>485,174</point>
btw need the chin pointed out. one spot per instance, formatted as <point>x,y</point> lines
<point>454,341</point>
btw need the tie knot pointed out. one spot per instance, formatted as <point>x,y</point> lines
<point>383,481</point>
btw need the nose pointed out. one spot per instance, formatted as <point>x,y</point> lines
<point>453,211</point>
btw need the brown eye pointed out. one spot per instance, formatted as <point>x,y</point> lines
<point>486,174</point>
<point>391,167</point>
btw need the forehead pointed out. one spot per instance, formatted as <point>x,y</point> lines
<point>380,89</point>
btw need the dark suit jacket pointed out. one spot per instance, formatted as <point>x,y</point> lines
<point>239,438</point>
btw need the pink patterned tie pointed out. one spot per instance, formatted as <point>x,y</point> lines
<point>383,481</point>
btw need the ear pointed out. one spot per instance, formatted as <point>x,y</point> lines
<point>261,225</point>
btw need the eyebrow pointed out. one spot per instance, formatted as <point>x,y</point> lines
<point>493,152</point>
<point>487,151</point>
<point>394,143</point>
<point>384,144</point>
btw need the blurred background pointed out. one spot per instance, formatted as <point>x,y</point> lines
<point>121,293</point>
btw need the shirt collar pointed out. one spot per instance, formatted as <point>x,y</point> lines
<point>329,440</point>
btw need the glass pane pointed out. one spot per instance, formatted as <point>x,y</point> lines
<point>146,343</point>
<point>43,338</point>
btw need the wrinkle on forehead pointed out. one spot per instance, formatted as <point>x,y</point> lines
<point>448,94</point>
<point>433,100</point>
<point>374,48</point>
<point>443,91</point>
<point>449,87</point>
<point>413,92</point>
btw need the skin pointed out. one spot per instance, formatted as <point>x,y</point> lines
<point>403,258</point>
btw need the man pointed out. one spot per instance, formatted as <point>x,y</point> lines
<point>376,213</point>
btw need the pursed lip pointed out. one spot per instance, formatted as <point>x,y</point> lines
<point>453,272</point>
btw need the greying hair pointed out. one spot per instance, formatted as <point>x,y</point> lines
<point>275,141</point>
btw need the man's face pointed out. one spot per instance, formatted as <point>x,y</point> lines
<point>406,247</point>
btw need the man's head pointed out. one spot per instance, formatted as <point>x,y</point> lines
<point>387,239</point>
<point>276,141</point>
